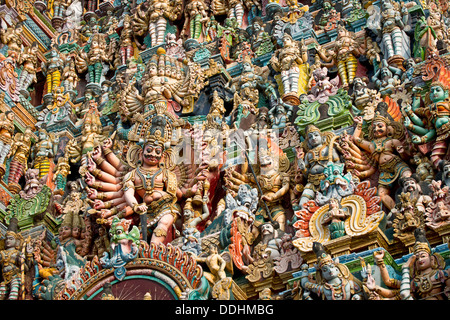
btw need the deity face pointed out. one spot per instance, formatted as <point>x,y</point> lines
<point>410,185</point>
<point>76,232</point>
<point>257,27</point>
<point>423,260</point>
<point>437,94</point>
<point>446,171</point>
<point>385,73</point>
<point>42,135</point>
<point>152,154</point>
<point>247,67</point>
<point>152,70</point>
<point>379,129</point>
<point>314,139</point>
<point>10,241</point>
<point>10,116</point>
<point>65,232</point>
<point>188,214</point>
<point>330,271</point>
<point>334,203</point>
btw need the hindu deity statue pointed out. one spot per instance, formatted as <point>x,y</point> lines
<point>91,136</point>
<point>343,55</point>
<point>320,150</point>
<point>274,184</point>
<point>196,18</point>
<point>432,122</point>
<point>126,40</point>
<point>11,36</point>
<point>19,153</point>
<point>123,246</point>
<point>52,69</point>
<point>291,61</point>
<point>44,151</point>
<point>158,188</point>
<point>409,211</point>
<point>91,58</point>
<point>153,16</point>
<point>69,76</point>
<point>15,259</point>
<point>333,280</point>
<point>62,170</point>
<point>424,275</point>
<point>383,148</point>
<point>387,78</point>
<point>395,42</point>
<point>6,136</point>
<point>28,59</point>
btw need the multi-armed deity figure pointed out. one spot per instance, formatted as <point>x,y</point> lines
<point>157,187</point>
<point>431,122</point>
<point>384,148</point>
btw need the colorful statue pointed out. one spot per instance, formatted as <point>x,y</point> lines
<point>320,151</point>
<point>19,153</point>
<point>16,259</point>
<point>430,122</point>
<point>343,55</point>
<point>333,280</point>
<point>6,136</point>
<point>291,60</point>
<point>383,148</point>
<point>423,275</point>
<point>44,151</point>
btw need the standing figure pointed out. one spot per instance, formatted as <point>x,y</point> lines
<point>44,149</point>
<point>52,69</point>
<point>28,59</point>
<point>70,77</point>
<point>92,59</point>
<point>291,60</point>
<point>62,170</point>
<point>158,189</point>
<point>431,122</point>
<point>395,42</point>
<point>126,40</point>
<point>382,147</point>
<point>15,261</point>
<point>196,17</point>
<point>19,153</point>
<point>6,136</point>
<point>343,55</point>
